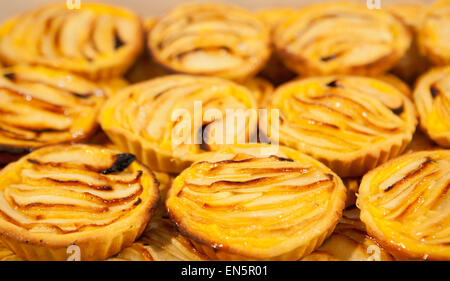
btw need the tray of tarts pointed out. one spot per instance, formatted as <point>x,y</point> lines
<point>107,141</point>
<point>57,196</point>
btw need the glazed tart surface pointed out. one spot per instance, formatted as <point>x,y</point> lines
<point>434,33</point>
<point>96,198</point>
<point>432,98</point>
<point>349,242</point>
<point>350,123</point>
<point>41,106</point>
<point>96,41</point>
<point>237,206</point>
<point>147,119</point>
<point>211,39</point>
<point>161,241</point>
<point>344,38</point>
<point>404,204</point>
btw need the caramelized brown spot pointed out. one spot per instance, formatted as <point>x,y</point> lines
<point>122,161</point>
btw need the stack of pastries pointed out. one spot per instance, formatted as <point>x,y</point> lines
<point>354,165</point>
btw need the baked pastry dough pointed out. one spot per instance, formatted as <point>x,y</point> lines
<point>238,206</point>
<point>148,119</point>
<point>161,242</point>
<point>404,204</point>
<point>261,89</point>
<point>96,41</point>
<point>211,39</point>
<point>341,38</point>
<point>89,196</point>
<point>413,63</point>
<point>350,123</point>
<point>434,33</point>
<point>41,106</point>
<point>432,98</point>
<point>349,242</point>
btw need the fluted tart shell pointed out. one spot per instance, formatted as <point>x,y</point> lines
<point>239,206</point>
<point>432,99</point>
<point>405,205</point>
<point>42,106</point>
<point>350,123</point>
<point>147,119</point>
<point>89,196</point>
<point>210,39</point>
<point>97,41</point>
<point>341,38</point>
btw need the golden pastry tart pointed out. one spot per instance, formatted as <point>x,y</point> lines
<point>161,122</point>
<point>161,241</point>
<point>434,39</point>
<point>41,106</point>
<point>239,206</point>
<point>211,39</point>
<point>413,63</point>
<point>404,205</point>
<point>7,255</point>
<point>96,41</point>
<point>261,89</point>
<point>350,123</point>
<point>349,242</point>
<point>344,38</point>
<point>432,98</point>
<point>96,198</point>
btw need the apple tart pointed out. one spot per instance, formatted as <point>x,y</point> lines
<point>349,242</point>
<point>404,205</point>
<point>41,106</point>
<point>435,33</point>
<point>432,98</point>
<point>172,121</point>
<point>95,198</point>
<point>350,123</point>
<point>240,206</point>
<point>211,39</point>
<point>96,41</point>
<point>341,38</point>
